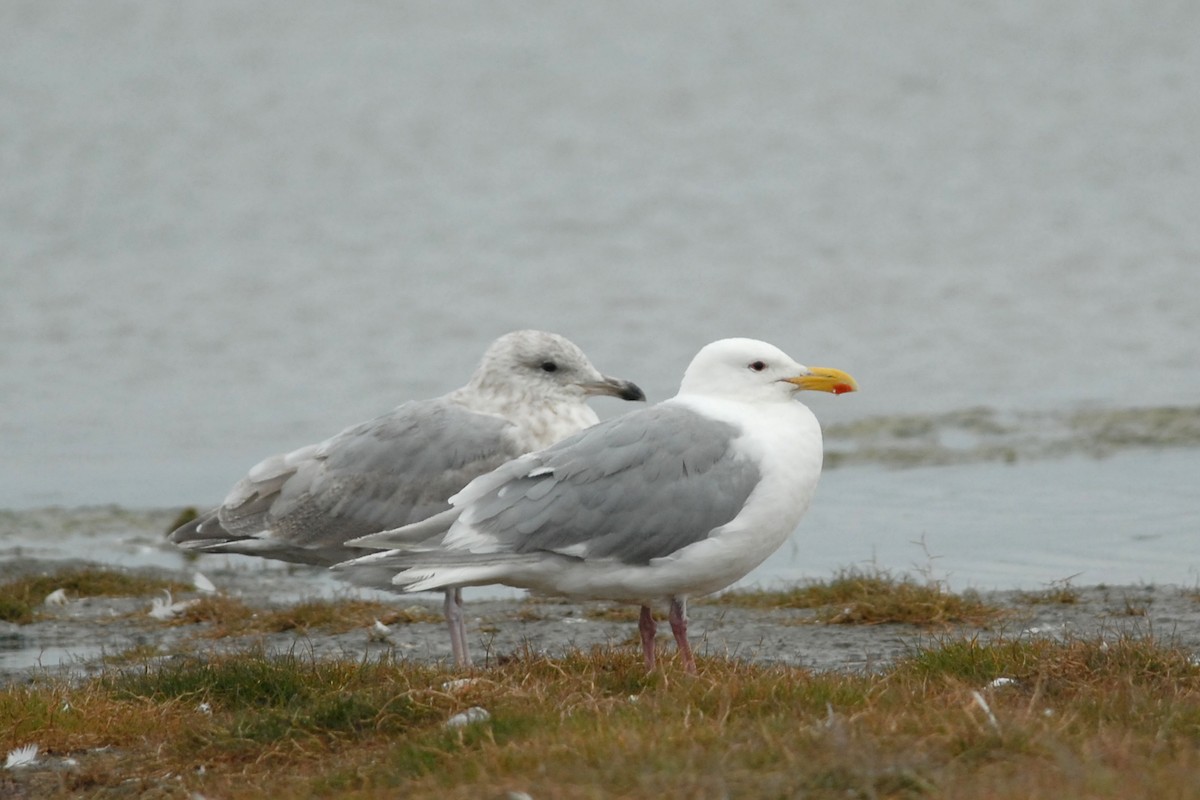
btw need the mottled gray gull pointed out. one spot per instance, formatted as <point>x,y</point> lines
<point>676,500</point>
<point>528,392</point>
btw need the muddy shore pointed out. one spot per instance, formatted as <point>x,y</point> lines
<point>80,636</point>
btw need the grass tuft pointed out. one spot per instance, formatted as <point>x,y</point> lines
<point>857,597</point>
<point>184,517</point>
<point>229,616</point>
<point>1059,593</point>
<point>1104,718</point>
<point>258,701</point>
<point>1058,666</point>
<point>21,598</point>
<point>613,612</point>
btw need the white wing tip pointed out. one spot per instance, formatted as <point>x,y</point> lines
<point>372,541</point>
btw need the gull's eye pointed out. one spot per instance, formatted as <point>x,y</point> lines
<point>549,366</point>
<point>758,366</point>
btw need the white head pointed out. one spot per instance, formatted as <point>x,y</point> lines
<point>547,365</point>
<point>754,371</point>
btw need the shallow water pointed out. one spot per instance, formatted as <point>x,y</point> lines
<point>229,230</point>
<point>1129,518</point>
<point>1126,519</point>
<point>15,655</point>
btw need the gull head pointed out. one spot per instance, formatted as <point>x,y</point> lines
<point>750,370</point>
<point>548,365</point>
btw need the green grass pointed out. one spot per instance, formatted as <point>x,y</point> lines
<point>872,597</point>
<point>20,599</point>
<point>184,517</point>
<point>1103,718</point>
<point>259,700</point>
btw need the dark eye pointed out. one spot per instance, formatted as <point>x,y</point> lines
<point>549,366</point>
<point>758,366</point>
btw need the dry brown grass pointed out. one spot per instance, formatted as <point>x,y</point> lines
<point>613,612</point>
<point>1109,718</point>
<point>872,597</point>
<point>1057,593</point>
<point>229,616</point>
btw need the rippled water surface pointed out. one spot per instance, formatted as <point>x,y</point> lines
<point>230,229</point>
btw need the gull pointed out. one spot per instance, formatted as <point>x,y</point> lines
<point>679,499</point>
<point>529,391</point>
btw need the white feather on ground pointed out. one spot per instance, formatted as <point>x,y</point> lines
<point>22,757</point>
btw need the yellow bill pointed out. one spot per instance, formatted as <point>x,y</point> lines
<point>824,379</point>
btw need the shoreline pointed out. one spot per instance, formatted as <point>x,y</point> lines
<point>80,632</point>
<point>80,637</point>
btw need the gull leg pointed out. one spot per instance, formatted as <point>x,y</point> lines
<point>452,606</point>
<point>679,628</point>
<point>647,628</point>
<point>462,628</point>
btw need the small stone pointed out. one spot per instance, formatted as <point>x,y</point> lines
<point>471,716</point>
<point>56,598</point>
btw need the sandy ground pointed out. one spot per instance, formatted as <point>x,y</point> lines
<point>75,638</point>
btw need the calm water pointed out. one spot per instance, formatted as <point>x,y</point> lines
<point>228,230</point>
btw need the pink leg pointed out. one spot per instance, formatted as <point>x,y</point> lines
<point>679,628</point>
<point>647,628</point>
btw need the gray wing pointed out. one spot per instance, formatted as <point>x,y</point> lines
<point>634,488</point>
<point>390,471</point>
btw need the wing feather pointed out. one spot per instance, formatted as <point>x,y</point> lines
<point>633,489</point>
<point>384,473</point>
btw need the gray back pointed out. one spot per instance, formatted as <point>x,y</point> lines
<point>634,488</point>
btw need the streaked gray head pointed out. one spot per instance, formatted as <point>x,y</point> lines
<point>548,364</point>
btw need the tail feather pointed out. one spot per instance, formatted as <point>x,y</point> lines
<point>276,550</point>
<point>428,528</point>
<point>369,577</point>
<point>426,570</point>
<point>202,530</point>
<point>424,579</point>
<point>206,534</point>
